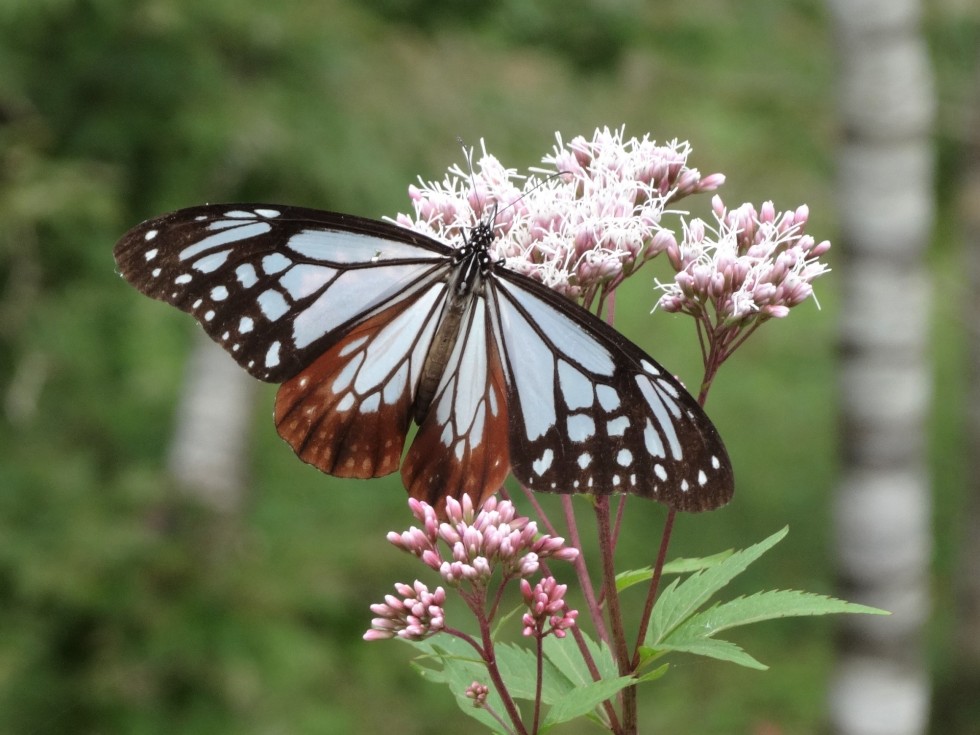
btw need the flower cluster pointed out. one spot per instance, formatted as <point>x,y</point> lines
<point>580,226</point>
<point>414,616</point>
<point>546,607</point>
<point>479,541</point>
<point>753,266</point>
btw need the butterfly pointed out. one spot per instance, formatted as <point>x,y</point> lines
<point>370,326</point>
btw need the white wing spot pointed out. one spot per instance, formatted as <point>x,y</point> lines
<point>624,457</point>
<point>351,346</point>
<point>649,367</point>
<point>272,356</point>
<point>267,212</point>
<point>211,262</point>
<point>225,336</point>
<point>651,438</point>
<point>209,315</point>
<point>346,403</point>
<point>660,472</point>
<point>150,254</point>
<point>182,279</point>
<point>197,303</point>
<point>715,462</point>
<point>580,427</point>
<point>275,263</point>
<point>542,464</point>
<point>150,234</point>
<point>616,481</point>
<point>156,272</point>
<point>584,460</point>
<point>245,325</point>
<point>246,275</point>
<point>371,403</point>
<point>618,426</point>
<point>684,486</point>
<point>702,478</point>
<point>608,397</point>
<point>273,304</point>
<point>219,293</point>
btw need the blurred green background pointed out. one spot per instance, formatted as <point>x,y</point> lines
<point>126,609</point>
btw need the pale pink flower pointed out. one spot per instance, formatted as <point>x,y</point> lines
<point>579,226</point>
<point>747,267</point>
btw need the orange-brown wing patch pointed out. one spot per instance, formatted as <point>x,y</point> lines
<point>462,444</point>
<point>348,412</point>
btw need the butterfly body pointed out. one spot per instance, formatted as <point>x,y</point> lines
<point>370,326</point>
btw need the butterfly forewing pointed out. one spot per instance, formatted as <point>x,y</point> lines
<point>276,286</point>
<point>590,412</point>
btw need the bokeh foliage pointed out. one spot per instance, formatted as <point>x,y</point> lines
<point>126,609</point>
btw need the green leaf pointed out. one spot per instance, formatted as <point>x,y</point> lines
<point>632,577</point>
<point>655,673</point>
<point>695,635</point>
<point>764,606</point>
<point>584,699</point>
<point>682,599</point>
<point>518,667</point>
<point>564,654</point>
<point>722,650</point>
<point>459,668</point>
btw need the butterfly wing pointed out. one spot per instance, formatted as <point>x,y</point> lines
<point>462,443</point>
<point>340,308</point>
<point>591,412</point>
<point>278,286</point>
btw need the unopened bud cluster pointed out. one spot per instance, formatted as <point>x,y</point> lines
<point>751,266</point>
<point>478,542</point>
<point>413,615</point>
<point>547,611</point>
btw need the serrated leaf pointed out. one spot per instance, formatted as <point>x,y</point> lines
<point>763,606</point>
<point>655,673</point>
<point>632,577</point>
<point>518,668</point>
<point>722,650</point>
<point>584,699</point>
<point>458,669</point>
<point>682,598</point>
<point>564,654</point>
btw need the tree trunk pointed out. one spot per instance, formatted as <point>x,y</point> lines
<point>209,452</point>
<point>880,684</point>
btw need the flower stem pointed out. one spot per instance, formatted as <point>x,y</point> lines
<point>658,569</point>
<point>615,614</point>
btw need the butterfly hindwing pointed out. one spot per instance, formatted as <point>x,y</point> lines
<point>462,443</point>
<point>348,412</point>
<point>590,412</point>
<point>276,286</point>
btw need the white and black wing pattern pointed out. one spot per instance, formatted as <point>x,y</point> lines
<point>277,286</point>
<point>369,325</point>
<point>591,412</point>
